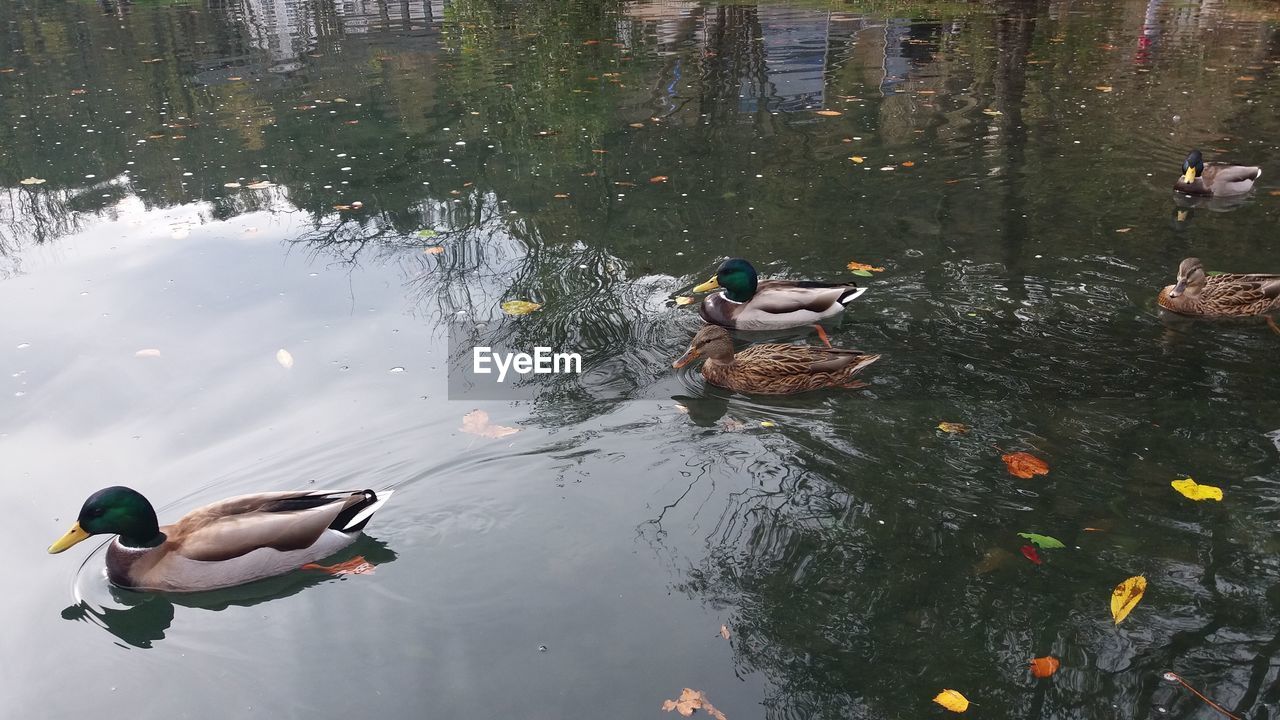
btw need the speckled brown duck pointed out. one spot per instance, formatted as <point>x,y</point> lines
<point>1226,295</point>
<point>773,369</point>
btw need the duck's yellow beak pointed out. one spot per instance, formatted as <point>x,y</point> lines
<point>1189,176</point>
<point>708,286</point>
<point>689,356</point>
<point>75,535</point>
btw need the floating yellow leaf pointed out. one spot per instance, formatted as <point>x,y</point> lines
<point>855,265</point>
<point>827,113</point>
<point>1126,596</point>
<point>1196,491</point>
<point>952,700</point>
<point>991,112</point>
<point>1104,88</point>
<point>954,428</point>
<point>476,422</point>
<point>768,424</point>
<point>684,300</point>
<point>858,159</point>
<point>1043,667</point>
<point>519,307</point>
<point>31,181</point>
<point>691,700</point>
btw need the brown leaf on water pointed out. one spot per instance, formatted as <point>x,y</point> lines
<point>562,196</point>
<point>1043,667</point>
<point>1274,193</point>
<point>658,179</point>
<point>827,113</point>
<point>855,265</point>
<point>691,700</point>
<point>953,428</point>
<point>857,159</point>
<point>1025,465</point>
<point>1104,88</point>
<point>433,250</point>
<point>908,163</point>
<point>724,631</point>
<point>476,422</point>
<point>1246,78</point>
<point>1123,229</point>
<point>636,125</point>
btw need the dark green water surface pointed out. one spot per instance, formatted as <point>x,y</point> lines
<point>1015,183</point>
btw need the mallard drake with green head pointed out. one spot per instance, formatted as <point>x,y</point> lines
<point>1198,293</point>
<point>227,543</point>
<point>1215,179</point>
<point>747,303</point>
<point>772,369</point>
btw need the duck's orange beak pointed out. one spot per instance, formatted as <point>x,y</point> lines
<point>689,356</point>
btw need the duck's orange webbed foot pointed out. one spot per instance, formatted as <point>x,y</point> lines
<point>355,566</point>
<point>822,333</point>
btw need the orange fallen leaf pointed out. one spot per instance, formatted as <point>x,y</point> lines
<point>1104,88</point>
<point>1043,667</point>
<point>1025,465</point>
<point>908,163</point>
<point>855,265</point>
<point>828,113</point>
<point>1275,193</point>
<point>857,159</point>
<point>476,422</point>
<point>658,179</point>
<point>433,250</point>
<point>691,700</point>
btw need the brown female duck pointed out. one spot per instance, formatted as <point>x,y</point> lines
<point>772,369</point>
<point>1197,293</point>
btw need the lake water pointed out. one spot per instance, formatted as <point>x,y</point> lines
<point>1008,164</point>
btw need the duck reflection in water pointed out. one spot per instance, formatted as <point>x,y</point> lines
<point>142,618</point>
